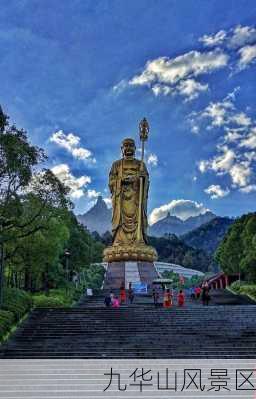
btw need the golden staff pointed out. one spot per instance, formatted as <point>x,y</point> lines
<point>144,130</point>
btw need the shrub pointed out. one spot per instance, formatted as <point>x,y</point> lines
<point>248,290</point>
<point>43,301</point>
<point>17,301</point>
<point>6,321</point>
<point>236,285</point>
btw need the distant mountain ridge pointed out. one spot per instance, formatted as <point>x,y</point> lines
<point>208,236</point>
<point>174,225</point>
<point>98,218</point>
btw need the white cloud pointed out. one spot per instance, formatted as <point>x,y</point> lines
<point>220,163</point>
<point>121,86</point>
<point>218,112</point>
<point>234,38</point>
<point>214,40</point>
<point>91,193</point>
<point>195,129</point>
<point>190,88</point>
<point>250,140</point>
<point>248,189</point>
<point>228,163</point>
<point>247,55</point>
<point>240,119</point>
<point>71,143</point>
<point>180,208</point>
<point>108,202</point>
<point>153,159</point>
<point>76,184</point>
<point>215,191</point>
<point>223,114</point>
<point>176,75</point>
<point>233,135</point>
<point>242,35</point>
<point>159,89</point>
<point>240,173</point>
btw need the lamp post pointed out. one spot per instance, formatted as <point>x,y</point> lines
<point>67,255</point>
<point>1,273</point>
<point>1,261</point>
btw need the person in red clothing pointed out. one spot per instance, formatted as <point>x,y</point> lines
<point>122,294</point>
<point>181,298</point>
<point>198,292</point>
<point>167,299</point>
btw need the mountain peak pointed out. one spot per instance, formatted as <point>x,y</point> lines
<point>100,203</point>
<point>173,224</point>
<point>98,218</point>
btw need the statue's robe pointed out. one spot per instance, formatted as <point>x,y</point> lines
<point>125,201</point>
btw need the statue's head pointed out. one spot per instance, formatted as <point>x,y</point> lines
<point>128,148</point>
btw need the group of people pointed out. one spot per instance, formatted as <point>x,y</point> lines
<point>202,292</point>
<point>114,301</point>
<point>168,298</point>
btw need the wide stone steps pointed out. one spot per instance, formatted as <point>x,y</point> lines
<point>136,332</point>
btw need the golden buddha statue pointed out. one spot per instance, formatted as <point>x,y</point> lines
<point>128,184</point>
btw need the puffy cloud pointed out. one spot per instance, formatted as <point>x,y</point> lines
<point>108,202</point>
<point>215,191</point>
<point>240,119</point>
<point>214,40</point>
<point>242,35</point>
<point>153,159</point>
<point>240,173</point>
<point>195,128</point>
<point>77,185</point>
<point>240,39</point>
<point>247,55</point>
<point>248,189</point>
<point>91,193</point>
<point>233,135</point>
<point>190,88</point>
<point>220,163</point>
<point>172,70</point>
<point>71,143</point>
<point>236,37</point>
<point>250,140</point>
<point>228,163</point>
<point>176,75</point>
<point>218,112</point>
<point>223,114</point>
<point>180,208</point>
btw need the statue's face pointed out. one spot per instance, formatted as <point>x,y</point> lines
<point>128,149</point>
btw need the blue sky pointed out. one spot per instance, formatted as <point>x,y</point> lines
<point>80,75</point>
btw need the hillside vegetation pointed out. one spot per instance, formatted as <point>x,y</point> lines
<point>173,250</point>
<point>237,252</point>
<point>209,235</point>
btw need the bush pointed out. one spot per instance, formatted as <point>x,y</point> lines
<point>7,320</point>
<point>43,301</point>
<point>244,288</point>
<point>17,301</point>
<point>248,290</point>
<point>236,285</point>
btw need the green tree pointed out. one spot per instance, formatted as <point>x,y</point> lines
<point>236,253</point>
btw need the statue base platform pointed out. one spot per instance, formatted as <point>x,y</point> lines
<point>137,252</point>
<point>119,273</point>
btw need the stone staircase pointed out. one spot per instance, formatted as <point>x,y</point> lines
<point>138,331</point>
